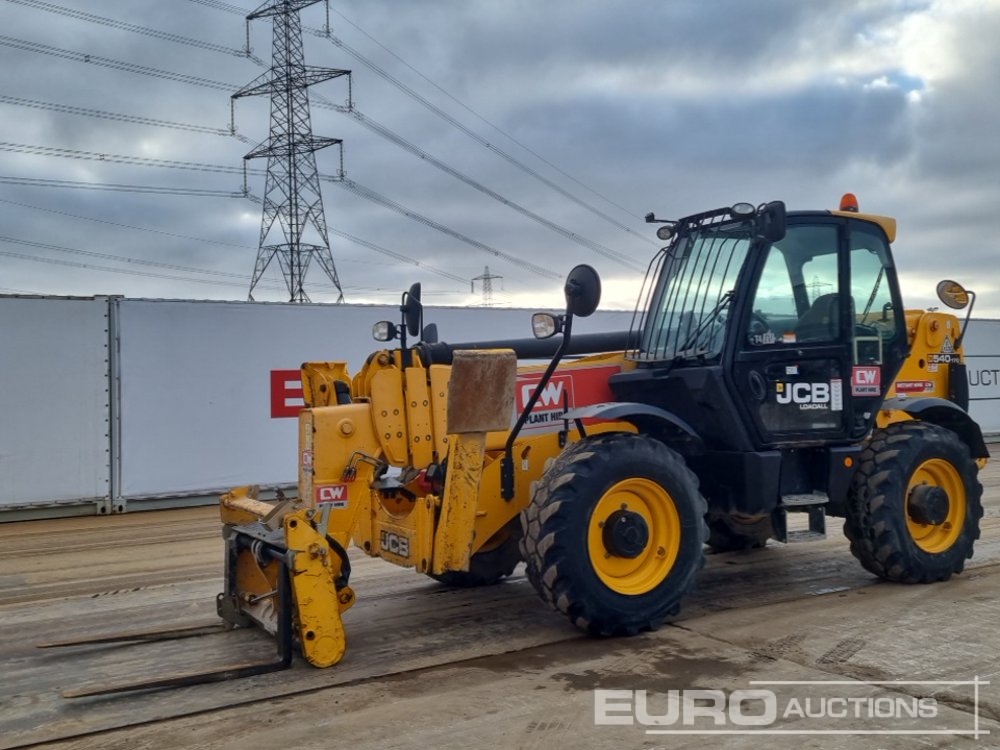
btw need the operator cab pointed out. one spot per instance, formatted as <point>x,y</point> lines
<point>768,329</point>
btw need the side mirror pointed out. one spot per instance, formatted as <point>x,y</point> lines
<point>430,333</point>
<point>953,294</point>
<point>412,310</point>
<point>771,221</point>
<point>583,291</point>
<point>545,325</point>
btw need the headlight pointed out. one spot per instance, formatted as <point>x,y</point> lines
<point>384,330</point>
<point>545,325</point>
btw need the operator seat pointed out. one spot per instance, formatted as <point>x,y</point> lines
<point>819,323</point>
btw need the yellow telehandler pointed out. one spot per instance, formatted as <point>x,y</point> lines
<point>770,369</point>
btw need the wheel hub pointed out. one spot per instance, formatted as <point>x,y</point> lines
<point>626,534</point>
<point>928,505</point>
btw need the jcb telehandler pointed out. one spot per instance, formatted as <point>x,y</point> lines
<point>770,369</point>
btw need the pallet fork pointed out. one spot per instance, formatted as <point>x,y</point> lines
<point>282,661</point>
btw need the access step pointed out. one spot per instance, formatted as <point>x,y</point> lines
<point>813,505</point>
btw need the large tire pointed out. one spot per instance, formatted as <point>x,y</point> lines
<point>733,533</point>
<point>493,562</point>
<point>898,529</point>
<point>631,575</point>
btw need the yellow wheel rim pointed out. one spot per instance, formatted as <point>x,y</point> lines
<point>636,575</point>
<point>937,472</point>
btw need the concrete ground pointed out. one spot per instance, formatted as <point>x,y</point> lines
<point>429,667</point>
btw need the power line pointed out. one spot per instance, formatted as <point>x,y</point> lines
<point>397,256</point>
<point>224,169</point>
<point>107,62</point>
<point>371,195</point>
<point>140,161</point>
<point>110,186</point>
<point>350,237</point>
<point>125,226</point>
<point>121,258</point>
<point>124,26</point>
<point>406,145</point>
<point>325,33</point>
<point>322,102</point>
<point>108,269</point>
<point>477,115</point>
<point>352,186</point>
<point>381,130</point>
<point>239,280</point>
<point>120,117</point>
<point>476,137</point>
<point>137,161</point>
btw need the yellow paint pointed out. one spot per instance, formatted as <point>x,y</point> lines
<point>318,380</point>
<point>937,472</point>
<point>453,538</point>
<point>927,332</point>
<point>635,576</point>
<point>315,567</point>
<point>420,426</point>
<point>390,414</point>
<point>439,375</point>
<point>887,223</point>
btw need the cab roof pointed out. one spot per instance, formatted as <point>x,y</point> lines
<point>887,223</point>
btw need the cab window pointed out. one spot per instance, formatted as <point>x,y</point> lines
<point>797,298</point>
<point>875,317</point>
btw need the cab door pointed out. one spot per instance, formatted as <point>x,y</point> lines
<point>792,363</point>
<point>821,332</point>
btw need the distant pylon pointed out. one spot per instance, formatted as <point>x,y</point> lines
<point>292,192</point>
<point>487,279</point>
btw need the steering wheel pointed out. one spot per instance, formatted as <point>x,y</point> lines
<point>759,324</point>
<point>759,329</point>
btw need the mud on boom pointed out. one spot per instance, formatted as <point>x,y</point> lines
<point>771,369</point>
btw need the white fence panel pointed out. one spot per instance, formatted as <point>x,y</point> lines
<point>209,390</point>
<point>982,357</point>
<point>54,402</point>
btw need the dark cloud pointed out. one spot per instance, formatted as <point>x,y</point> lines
<point>672,107</point>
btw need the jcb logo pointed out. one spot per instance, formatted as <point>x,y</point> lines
<point>397,544</point>
<point>803,393</point>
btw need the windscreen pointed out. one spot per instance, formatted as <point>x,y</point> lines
<point>688,297</point>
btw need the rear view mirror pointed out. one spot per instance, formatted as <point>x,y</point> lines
<point>953,294</point>
<point>412,310</point>
<point>583,291</point>
<point>771,221</point>
<point>430,334</point>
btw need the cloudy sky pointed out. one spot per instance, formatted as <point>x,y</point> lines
<point>594,113</point>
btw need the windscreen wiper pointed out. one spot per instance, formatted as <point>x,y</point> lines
<point>722,304</point>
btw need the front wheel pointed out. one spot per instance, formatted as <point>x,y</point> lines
<point>614,534</point>
<point>915,504</point>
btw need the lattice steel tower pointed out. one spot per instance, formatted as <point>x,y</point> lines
<point>487,278</point>
<point>292,192</point>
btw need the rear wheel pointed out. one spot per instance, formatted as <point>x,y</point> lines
<point>613,535</point>
<point>731,533</point>
<point>915,504</point>
<point>492,562</point>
